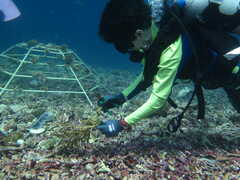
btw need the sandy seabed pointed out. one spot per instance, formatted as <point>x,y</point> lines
<point>207,149</point>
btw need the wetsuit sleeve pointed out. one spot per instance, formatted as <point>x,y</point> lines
<point>162,83</point>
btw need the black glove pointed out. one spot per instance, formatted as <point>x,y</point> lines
<point>108,102</point>
<point>110,128</point>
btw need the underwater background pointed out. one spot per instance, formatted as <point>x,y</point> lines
<point>48,123</point>
<point>72,22</point>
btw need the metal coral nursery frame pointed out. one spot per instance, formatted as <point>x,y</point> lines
<point>22,52</point>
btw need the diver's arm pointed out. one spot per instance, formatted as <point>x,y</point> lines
<point>162,84</point>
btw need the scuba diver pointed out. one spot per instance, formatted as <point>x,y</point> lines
<point>8,10</point>
<point>173,39</point>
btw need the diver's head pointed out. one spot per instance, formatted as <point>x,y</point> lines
<point>143,39</point>
<point>126,24</point>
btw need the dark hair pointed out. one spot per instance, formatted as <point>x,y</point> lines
<point>121,19</point>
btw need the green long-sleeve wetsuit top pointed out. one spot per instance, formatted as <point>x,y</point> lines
<point>162,83</point>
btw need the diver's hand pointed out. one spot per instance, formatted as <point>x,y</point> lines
<point>112,128</point>
<point>108,102</point>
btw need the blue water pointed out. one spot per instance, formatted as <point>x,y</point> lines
<point>72,22</point>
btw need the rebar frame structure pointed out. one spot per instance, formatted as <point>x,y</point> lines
<point>22,53</point>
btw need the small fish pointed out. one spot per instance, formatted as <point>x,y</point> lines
<point>37,126</point>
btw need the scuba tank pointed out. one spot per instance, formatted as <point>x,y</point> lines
<point>216,14</point>
<point>197,7</point>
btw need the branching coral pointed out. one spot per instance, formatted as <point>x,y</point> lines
<point>69,58</point>
<point>40,77</point>
<point>34,59</point>
<point>73,136</point>
<point>63,47</point>
<point>31,43</point>
<point>12,137</point>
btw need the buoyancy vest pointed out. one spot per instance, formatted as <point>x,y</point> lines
<point>216,68</point>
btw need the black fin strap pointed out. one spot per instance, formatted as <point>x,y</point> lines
<point>176,122</point>
<point>201,101</point>
<point>172,103</point>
